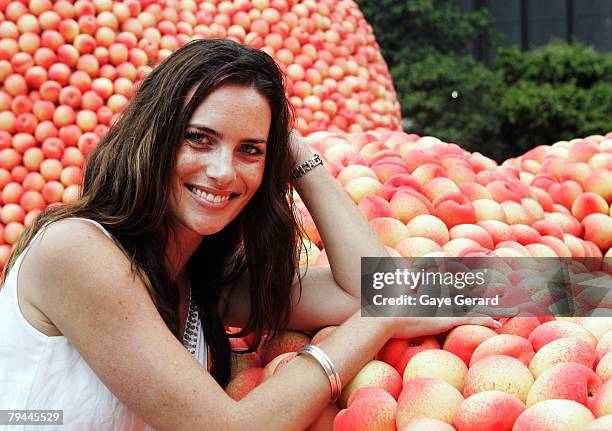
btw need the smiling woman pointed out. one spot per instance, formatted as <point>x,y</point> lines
<point>111,306</point>
<point>220,163</point>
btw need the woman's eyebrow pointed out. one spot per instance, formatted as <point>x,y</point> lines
<point>218,135</point>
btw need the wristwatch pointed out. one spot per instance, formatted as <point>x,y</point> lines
<point>308,165</point>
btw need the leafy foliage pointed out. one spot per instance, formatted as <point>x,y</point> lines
<point>424,43</point>
<point>559,91</point>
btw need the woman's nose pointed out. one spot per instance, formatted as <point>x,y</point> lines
<point>220,166</point>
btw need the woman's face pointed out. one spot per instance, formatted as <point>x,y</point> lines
<point>221,159</point>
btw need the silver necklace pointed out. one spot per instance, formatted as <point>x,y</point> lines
<point>190,337</point>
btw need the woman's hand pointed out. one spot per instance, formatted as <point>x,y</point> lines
<point>410,327</point>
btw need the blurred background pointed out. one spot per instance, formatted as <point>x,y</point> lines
<point>498,76</point>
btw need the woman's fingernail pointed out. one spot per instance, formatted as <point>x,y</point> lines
<point>498,324</point>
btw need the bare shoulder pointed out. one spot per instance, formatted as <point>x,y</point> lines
<point>68,239</point>
<point>88,291</point>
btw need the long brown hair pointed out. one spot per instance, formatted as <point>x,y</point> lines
<point>126,188</point>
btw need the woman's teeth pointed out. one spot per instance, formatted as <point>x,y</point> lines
<point>209,196</point>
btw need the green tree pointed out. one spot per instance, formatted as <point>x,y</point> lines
<point>443,91</point>
<point>557,92</point>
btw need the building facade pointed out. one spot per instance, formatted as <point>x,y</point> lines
<point>528,24</point>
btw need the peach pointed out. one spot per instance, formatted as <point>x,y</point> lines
<point>565,193</point>
<point>582,150</point>
<point>12,232</point>
<point>12,192</point>
<point>401,182</point>
<point>428,424</point>
<point>525,234</point>
<point>598,229</point>
<point>604,367</point>
<point>601,161</point>
<point>425,173</point>
<point>428,226</point>
<point>541,250</point>
<point>374,374</point>
<point>437,364</point>
<point>474,191</point>
<point>427,398</point>
<point>71,193</point>
<point>390,230</point>
<point>339,151</point>
<point>369,409</point>
<point>415,158</point>
<point>601,404</point>
<point>562,350</point>
<point>408,204</point>
<point>12,212</point>
<point>488,209</point>
<point>359,188</point>
<point>599,181</point>
<point>574,245</point>
<point>533,209</point>
<point>288,341</point>
<point>603,423</point>
<point>596,325</point>
<point>243,382</point>
<point>498,230</point>
<point>397,352</point>
<point>473,232</point>
<point>457,246</point>
<point>385,171</point>
<point>521,325</point>
<point>504,344</point>
<point>556,245</point>
<point>604,345</point>
<point>417,247</point>
<point>488,411</point>
<point>355,171</point>
<point>374,206</point>
<point>439,186</point>
<point>503,191</point>
<point>568,381</point>
<point>499,373</point>
<point>460,174</point>
<point>463,340</point>
<point>515,212</point>
<point>325,420</point>
<point>454,209</point>
<point>52,192</point>
<point>554,330</point>
<point>543,199</point>
<point>554,415</point>
<point>482,163</point>
<point>546,227</point>
<point>589,203</point>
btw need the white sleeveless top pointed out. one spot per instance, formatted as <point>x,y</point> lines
<point>47,373</point>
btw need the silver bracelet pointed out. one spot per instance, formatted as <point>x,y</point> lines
<point>328,367</point>
<point>308,165</point>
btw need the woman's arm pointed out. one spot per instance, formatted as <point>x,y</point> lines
<point>87,291</point>
<point>344,230</point>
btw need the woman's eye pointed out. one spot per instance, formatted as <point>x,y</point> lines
<point>197,138</point>
<point>251,149</point>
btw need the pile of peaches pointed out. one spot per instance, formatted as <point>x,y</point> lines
<point>68,69</point>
